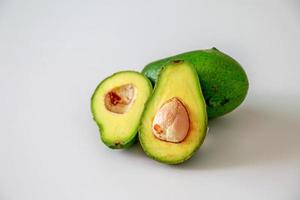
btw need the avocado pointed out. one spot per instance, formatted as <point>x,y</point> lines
<point>223,80</point>
<point>174,122</point>
<point>117,105</point>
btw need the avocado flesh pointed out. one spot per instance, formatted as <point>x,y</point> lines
<point>224,82</point>
<point>119,130</point>
<point>178,80</point>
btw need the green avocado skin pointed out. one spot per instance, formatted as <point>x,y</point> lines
<point>223,80</point>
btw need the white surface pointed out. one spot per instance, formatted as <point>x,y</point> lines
<point>53,54</point>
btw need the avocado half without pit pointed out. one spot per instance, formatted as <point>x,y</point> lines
<point>174,122</point>
<point>117,105</point>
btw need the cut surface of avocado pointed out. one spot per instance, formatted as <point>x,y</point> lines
<point>117,105</point>
<point>174,122</point>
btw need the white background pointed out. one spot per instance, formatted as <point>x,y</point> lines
<point>53,54</point>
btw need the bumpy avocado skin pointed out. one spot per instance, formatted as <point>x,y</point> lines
<point>224,82</point>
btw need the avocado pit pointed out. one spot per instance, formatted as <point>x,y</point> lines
<point>171,122</point>
<point>119,99</point>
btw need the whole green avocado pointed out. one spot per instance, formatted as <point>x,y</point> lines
<point>223,80</point>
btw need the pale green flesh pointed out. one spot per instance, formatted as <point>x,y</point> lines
<point>178,80</point>
<point>120,130</point>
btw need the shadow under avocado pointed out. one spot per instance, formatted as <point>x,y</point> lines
<point>248,137</point>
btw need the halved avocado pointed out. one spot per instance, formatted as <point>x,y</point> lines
<point>117,105</point>
<point>178,87</point>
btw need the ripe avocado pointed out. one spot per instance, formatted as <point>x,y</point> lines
<point>178,107</point>
<point>117,105</point>
<point>223,80</point>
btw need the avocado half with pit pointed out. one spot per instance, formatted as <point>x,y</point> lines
<point>117,105</point>
<point>174,122</point>
<point>223,80</point>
